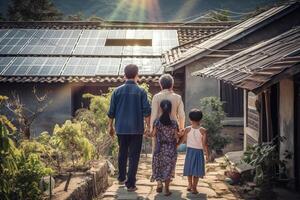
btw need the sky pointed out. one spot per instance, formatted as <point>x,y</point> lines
<point>152,10</point>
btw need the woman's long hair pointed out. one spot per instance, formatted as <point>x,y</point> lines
<point>166,107</point>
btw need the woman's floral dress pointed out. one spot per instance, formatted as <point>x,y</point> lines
<point>165,153</point>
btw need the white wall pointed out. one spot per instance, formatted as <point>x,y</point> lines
<point>286,120</point>
<point>197,87</point>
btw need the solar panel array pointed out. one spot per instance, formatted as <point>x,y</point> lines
<point>48,52</point>
<point>34,66</point>
<point>52,42</point>
<point>92,66</point>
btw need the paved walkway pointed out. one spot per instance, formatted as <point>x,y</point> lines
<point>211,187</point>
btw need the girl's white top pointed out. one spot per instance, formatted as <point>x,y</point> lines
<point>194,139</point>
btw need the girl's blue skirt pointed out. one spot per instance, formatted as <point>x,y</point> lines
<point>194,164</point>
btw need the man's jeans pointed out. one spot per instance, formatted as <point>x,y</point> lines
<point>129,147</point>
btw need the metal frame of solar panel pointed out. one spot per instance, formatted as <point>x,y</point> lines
<point>35,66</point>
<point>79,66</point>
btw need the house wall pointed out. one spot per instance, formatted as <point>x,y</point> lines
<point>197,87</point>
<point>286,120</point>
<point>57,112</point>
<point>251,119</point>
<point>66,98</point>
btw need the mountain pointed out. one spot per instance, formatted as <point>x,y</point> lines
<point>151,10</point>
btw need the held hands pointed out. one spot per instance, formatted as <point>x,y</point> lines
<point>147,133</point>
<point>181,133</point>
<point>111,131</point>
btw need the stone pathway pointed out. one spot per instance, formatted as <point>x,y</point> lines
<point>211,187</point>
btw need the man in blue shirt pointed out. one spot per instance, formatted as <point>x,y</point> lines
<point>129,107</point>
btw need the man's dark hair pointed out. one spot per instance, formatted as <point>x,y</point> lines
<point>166,81</point>
<point>131,71</point>
<point>195,115</point>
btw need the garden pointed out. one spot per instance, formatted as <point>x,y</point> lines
<point>31,167</point>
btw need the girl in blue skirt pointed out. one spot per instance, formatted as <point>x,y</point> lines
<point>195,137</point>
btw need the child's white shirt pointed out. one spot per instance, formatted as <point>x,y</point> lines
<point>194,139</point>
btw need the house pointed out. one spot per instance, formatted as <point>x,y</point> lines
<point>68,59</point>
<point>269,74</point>
<point>196,55</point>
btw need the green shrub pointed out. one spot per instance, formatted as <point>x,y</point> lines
<point>94,123</point>
<point>70,139</point>
<point>20,174</point>
<point>213,114</point>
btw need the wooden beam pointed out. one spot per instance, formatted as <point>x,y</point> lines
<point>288,72</point>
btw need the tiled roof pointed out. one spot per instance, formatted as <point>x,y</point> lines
<point>186,32</point>
<point>71,79</point>
<point>256,67</point>
<point>177,57</point>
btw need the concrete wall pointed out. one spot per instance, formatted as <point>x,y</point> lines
<point>286,120</point>
<point>197,87</point>
<point>57,112</point>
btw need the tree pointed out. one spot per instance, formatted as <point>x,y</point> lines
<point>33,10</point>
<point>76,17</point>
<point>1,17</point>
<point>24,115</point>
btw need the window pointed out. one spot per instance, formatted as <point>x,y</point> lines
<point>128,42</point>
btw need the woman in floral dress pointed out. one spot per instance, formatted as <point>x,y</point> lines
<point>165,155</point>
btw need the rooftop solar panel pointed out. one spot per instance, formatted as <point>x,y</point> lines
<point>147,66</point>
<point>92,66</point>
<point>94,34</point>
<point>14,40</point>
<point>92,42</point>
<point>3,32</point>
<point>36,66</point>
<point>52,42</point>
<point>116,34</point>
<point>4,62</point>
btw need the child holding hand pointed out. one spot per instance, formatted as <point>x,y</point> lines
<point>195,137</point>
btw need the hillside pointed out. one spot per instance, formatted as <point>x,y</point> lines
<point>150,10</point>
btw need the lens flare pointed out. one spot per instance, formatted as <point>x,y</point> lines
<point>185,10</point>
<point>137,10</point>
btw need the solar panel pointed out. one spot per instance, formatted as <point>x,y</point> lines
<point>52,42</point>
<point>92,66</point>
<point>94,34</point>
<point>92,42</point>
<point>36,66</point>
<point>147,66</point>
<point>14,40</point>
<point>4,62</point>
<point>3,32</point>
<point>116,34</point>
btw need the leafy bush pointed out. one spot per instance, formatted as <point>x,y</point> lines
<point>265,159</point>
<point>213,114</point>
<point>94,123</point>
<point>20,174</point>
<point>70,139</point>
